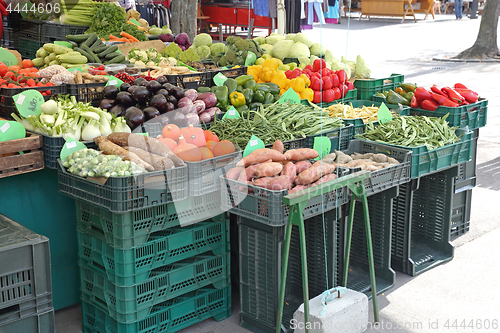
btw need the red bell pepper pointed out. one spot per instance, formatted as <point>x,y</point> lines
<point>427,104</point>
<point>317,98</point>
<point>313,74</point>
<point>328,96</point>
<point>414,102</point>
<point>325,72</point>
<point>309,68</point>
<point>342,76</point>
<point>288,74</point>
<point>335,80</point>
<point>350,85</point>
<point>316,84</point>
<point>318,65</point>
<point>443,100</point>
<point>327,82</point>
<point>337,93</point>
<point>469,95</point>
<point>343,89</point>
<point>459,85</point>
<point>295,73</point>
<point>436,90</point>
<point>422,94</point>
<point>453,95</point>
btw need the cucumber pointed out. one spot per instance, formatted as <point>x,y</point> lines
<point>92,54</point>
<point>96,44</point>
<point>100,49</point>
<point>91,40</point>
<point>112,55</point>
<point>108,50</point>
<point>117,60</point>
<point>85,54</point>
<point>78,38</point>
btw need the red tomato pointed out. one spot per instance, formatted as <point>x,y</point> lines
<point>3,69</point>
<point>31,83</point>
<point>49,84</point>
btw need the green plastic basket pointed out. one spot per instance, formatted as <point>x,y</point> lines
<point>133,265</point>
<point>460,214</point>
<point>41,322</point>
<point>167,317</point>
<point>368,87</point>
<point>136,302</point>
<point>466,177</point>
<point>339,137</point>
<point>350,95</point>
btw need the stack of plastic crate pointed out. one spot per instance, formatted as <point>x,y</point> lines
<point>25,281</point>
<point>141,270</point>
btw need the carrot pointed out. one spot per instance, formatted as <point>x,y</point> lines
<point>261,155</point>
<point>129,36</point>
<point>111,36</point>
<point>278,145</point>
<point>301,154</point>
<point>268,170</point>
<point>302,165</point>
<point>318,170</point>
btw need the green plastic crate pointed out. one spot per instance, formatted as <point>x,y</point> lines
<point>339,137</point>
<point>169,316</point>
<point>133,265</point>
<point>368,87</point>
<point>421,236</point>
<point>460,214</point>
<point>136,302</point>
<point>349,96</point>
<point>466,177</point>
<point>125,194</point>
<point>473,115</point>
<point>380,210</point>
<point>41,322</point>
<point>52,147</point>
<point>134,228</point>
<point>424,161</point>
<point>32,30</point>
<point>55,31</point>
<point>92,93</point>
<point>28,48</point>
<point>383,179</point>
<point>261,249</point>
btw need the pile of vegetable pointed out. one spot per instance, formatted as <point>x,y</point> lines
<point>346,111</point>
<point>204,46</point>
<point>22,77</point>
<point>274,170</point>
<point>51,54</point>
<point>91,163</point>
<point>368,161</point>
<point>64,117</point>
<point>413,131</point>
<point>192,144</point>
<point>92,48</point>
<point>155,31</point>
<point>151,57</point>
<point>79,12</point>
<point>237,51</point>
<point>184,55</point>
<point>401,95</point>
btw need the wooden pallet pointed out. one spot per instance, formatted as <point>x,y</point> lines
<point>13,163</point>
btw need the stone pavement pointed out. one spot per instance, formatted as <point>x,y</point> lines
<point>466,287</point>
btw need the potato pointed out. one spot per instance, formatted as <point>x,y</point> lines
<point>342,158</point>
<point>392,160</point>
<point>379,158</point>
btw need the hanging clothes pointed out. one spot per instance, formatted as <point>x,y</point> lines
<point>332,16</point>
<point>261,7</point>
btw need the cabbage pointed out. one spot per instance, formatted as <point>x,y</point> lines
<point>299,50</point>
<point>203,51</point>
<point>317,49</point>
<point>260,40</point>
<point>290,37</point>
<point>217,48</point>
<point>202,39</point>
<point>350,64</point>
<point>300,37</point>
<point>304,60</point>
<point>362,71</point>
<point>329,56</point>
<point>155,31</point>
<point>274,39</point>
<point>282,48</point>
<point>266,48</point>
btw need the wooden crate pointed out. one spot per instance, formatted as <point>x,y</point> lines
<point>13,163</point>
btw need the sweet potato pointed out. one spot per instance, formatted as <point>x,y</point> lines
<point>248,173</point>
<point>234,173</point>
<point>325,179</point>
<point>278,146</point>
<point>268,169</point>
<point>302,165</point>
<point>318,170</point>
<point>262,182</point>
<point>261,155</point>
<point>301,154</point>
<point>280,183</point>
<point>290,170</point>
<point>298,188</point>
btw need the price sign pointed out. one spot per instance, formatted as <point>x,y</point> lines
<point>290,96</point>
<point>28,103</point>
<point>7,57</point>
<point>114,81</point>
<point>135,22</point>
<point>383,114</point>
<point>322,145</point>
<point>232,113</point>
<point>219,79</point>
<point>70,147</point>
<point>11,130</point>
<point>254,144</point>
<point>250,59</point>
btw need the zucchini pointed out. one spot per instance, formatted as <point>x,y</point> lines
<point>100,49</point>
<point>73,44</point>
<point>117,60</point>
<point>108,50</point>
<point>92,54</point>
<point>112,55</point>
<point>78,38</point>
<point>85,54</point>
<point>96,44</point>
<point>91,40</point>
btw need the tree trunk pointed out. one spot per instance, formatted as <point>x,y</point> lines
<point>184,14</point>
<point>486,42</point>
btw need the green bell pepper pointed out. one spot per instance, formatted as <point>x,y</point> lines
<point>262,87</point>
<point>276,97</point>
<point>259,96</point>
<point>241,80</point>
<point>268,99</point>
<point>202,90</point>
<point>242,108</point>
<point>222,95</point>
<point>239,89</point>
<point>250,84</point>
<point>214,89</point>
<point>231,85</point>
<point>408,95</point>
<point>395,98</point>
<point>273,88</point>
<point>248,93</point>
<point>254,106</point>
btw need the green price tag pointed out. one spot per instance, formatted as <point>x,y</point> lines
<point>145,134</point>
<point>11,130</point>
<point>79,69</point>
<point>7,57</point>
<point>290,96</point>
<point>114,81</point>
<point>251,58</point>
<point>70,147</point>
<point>253,144</point>
<point>224,67</point>
<point>135,22</point>
<point>119,51</point>
<point>383,114</point>
<point>219,79</point>
<point>63,43</point>
<point>28,103</point>
<point>322,145</point>
<point>232,113</point>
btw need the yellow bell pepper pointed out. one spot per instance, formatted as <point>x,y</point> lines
<point>266,74</point>
<point>255,72</point>
<point>298,84</point>
<point>270,63</point>
<point>308,93</point>
<point>279,79</point>
<point>306,80</point>
<point>237,99</point>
